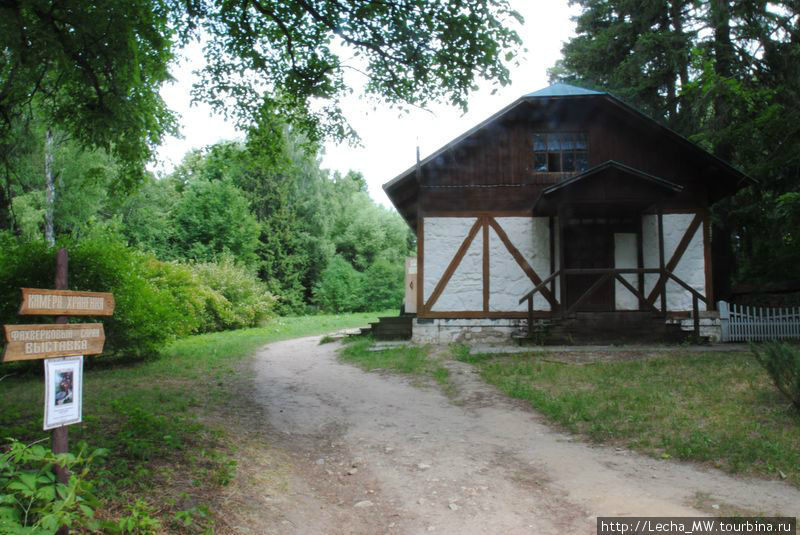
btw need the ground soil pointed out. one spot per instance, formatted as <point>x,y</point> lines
<point>326,448</point>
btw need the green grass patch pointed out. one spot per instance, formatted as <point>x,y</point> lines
<point>157,417</point>
<point>410,359</point>
<point>718,409</point>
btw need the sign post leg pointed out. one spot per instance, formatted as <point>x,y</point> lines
<point>60,436</point>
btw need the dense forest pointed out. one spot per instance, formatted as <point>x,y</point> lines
<point>286,236</point>
<point>725,74</point>
<point>239,231</point>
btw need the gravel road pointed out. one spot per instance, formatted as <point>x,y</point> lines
<point>374,453</point>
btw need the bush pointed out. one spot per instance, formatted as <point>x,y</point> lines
<point>383,286</point>
<point>144,318</point>
<point>782,362</point>
<point>155,301</point>
<point>240,299</point>
<point>339,287</point>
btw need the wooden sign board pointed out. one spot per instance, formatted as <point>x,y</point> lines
<point>65,303</point>
<point>27,342</point>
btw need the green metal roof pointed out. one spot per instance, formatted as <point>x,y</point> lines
<point>563,90</point>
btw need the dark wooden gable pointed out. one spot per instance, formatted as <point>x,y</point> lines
<point>490,168</point>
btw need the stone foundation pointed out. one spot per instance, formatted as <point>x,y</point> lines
<point>709,327</point>
<point>468,331</point>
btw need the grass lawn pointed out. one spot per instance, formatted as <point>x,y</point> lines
<point>160,418</point>
<point>719,409</point>
<point>414,360</point>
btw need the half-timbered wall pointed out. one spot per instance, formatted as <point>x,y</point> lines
<point>625,256</point>
<point>681,231</point>
<point>482,265</point>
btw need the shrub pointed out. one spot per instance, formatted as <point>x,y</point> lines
<point>339,287</point>
<point>144,318</point>
<point>32,501</point>
<point>782,362</point>
<point>383,285</point>
<point>245,300</point>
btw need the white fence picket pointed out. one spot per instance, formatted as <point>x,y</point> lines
<point>745,323</point>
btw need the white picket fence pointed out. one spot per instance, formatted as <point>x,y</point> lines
<point>750,324</point>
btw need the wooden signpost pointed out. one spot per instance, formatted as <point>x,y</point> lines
<point>26,342</point>
<point>59,339</point>
<point>37,302</point>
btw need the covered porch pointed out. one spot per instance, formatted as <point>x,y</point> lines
<point>612,224</point>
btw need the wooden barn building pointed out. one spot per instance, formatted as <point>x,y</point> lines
<point>567,214</point>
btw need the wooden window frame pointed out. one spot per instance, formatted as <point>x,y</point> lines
<point>547,152</point>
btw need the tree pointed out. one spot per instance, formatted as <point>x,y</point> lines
<point>339,287</point>
<point>212,218</point>
<point>408,51</point>
<point>91,71</point>
<point>725,74</point>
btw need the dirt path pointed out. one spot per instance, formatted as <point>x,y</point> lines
<point>369,453</point>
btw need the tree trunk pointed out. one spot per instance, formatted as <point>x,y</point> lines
<point>49,230</point>
<point>724,264</point>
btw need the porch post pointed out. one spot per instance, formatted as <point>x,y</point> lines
<point>561,246</point>
<point>661,259</point>
<point>640,260</point>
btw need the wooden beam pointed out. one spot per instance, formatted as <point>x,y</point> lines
<point>711,304</point>
<point>551,224</point>
<point>561,256</point>
<point>451,268</point>
<point>592,289</point>
<point>640,261</point>
<point>676,257</point>
<point>662,278</point>
<point>532,275</point>
<point>486,278</point>
<point>479,314</point>
<point>634,291</point>
<point>420,264</point>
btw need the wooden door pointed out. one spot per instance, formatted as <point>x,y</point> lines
<point>589,246</point>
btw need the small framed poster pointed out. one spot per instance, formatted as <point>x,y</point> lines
<point>63,391</point>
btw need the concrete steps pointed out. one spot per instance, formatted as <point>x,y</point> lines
<point>391,328</point>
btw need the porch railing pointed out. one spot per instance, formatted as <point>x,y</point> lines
<point>607,274</point>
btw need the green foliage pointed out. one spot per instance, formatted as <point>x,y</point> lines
<point>726,75</point>
<point>212,218</point>
<point>93,73</point>
<point>33,502</point>
<point>414,51</point>
<point>382,286</point>
<point>155,301</point>
<point>246,301</point>
<point>339,287</point>
<point>782,363</point>
<point>138,520</point>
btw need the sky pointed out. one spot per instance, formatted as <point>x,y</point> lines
<point>388,138</point>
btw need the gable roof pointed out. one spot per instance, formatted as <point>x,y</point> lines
<point>623,185</point>
<point>611,164</point>
<point>563,90</point>
<point>407,179</point>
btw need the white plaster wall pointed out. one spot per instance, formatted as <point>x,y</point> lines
<point>691,267</point>
<point>625,257</point>
<point>443,236</point>
<point>464,291</point>
<point>507,281</point>
<point>650,250</point>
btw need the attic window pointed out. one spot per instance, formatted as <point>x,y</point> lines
<point>560,153</point>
